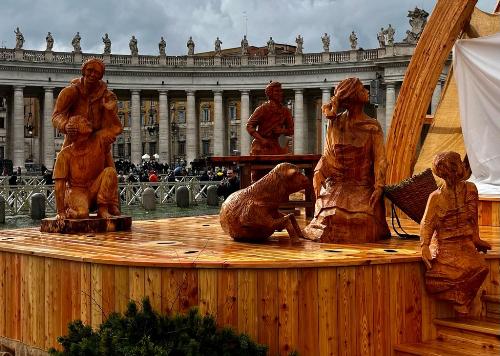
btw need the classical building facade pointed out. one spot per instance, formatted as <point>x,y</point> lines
<point>188,107</point>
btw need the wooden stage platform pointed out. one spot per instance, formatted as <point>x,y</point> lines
<point>320,299</point>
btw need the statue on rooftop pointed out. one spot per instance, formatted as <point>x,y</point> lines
<point>381,38</point>
<point>389,32</point>
<point>349,178</point>
<point>244,46</point>
<point>271,46</point>
<point>449,236</point>
<point>134,50</point>
<point>326,42</point>
<point>162,47</point>
<point>50,42</point>
<point>268,122</point>
<point>418,20</point>
<point>75,42</point>
<point>107,44</point>
<point>217,45</point>
<point>190,46</point>
<point>300,44</point>
<point>353,39</point>
<point>19,38</point>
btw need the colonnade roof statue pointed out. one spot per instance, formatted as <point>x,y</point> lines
<point>418,19</point>
<point>50,42</point>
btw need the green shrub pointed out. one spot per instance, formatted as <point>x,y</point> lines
<point>145,332</point>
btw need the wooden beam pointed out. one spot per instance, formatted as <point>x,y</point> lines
<point>444,27</point>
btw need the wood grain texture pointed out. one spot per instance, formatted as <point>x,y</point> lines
<point>267,309</point>
<point>346,317</point>
<point>340,307</point>
<point>327,311</point>
<point>248,318</point>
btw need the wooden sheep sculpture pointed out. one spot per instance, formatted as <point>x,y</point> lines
<point>252,215</point>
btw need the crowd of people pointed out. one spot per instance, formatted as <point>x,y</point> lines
<point>153,171</point>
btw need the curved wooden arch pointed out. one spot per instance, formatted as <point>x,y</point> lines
<point>447,21</point>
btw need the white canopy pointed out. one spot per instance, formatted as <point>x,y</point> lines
<point>146,156</point>
<point>476,64</point>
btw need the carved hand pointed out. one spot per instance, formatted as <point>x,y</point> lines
<point>109,103</point>
<point>61,215</point>
<point>318,180</point>
<point>106,139</point>
<point>426,256</point>
<point>375,197</point>
<point>482,246</point>
<point>70,129</point>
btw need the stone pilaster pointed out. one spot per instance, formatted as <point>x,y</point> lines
<point>390,101</point>
<point>18,157</point>
<point>326,94</point>
<point>164,127</point>
<point>245,137</point>
<point>219,125</point>
<point>300,127</point>
<point>48,129</point>
<point>192,128</point>
<point>135,127</point>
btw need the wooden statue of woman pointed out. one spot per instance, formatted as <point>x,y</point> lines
<point>350,175</point>
<point>449,228</point>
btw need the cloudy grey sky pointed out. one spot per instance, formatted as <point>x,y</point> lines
<point>176,20</point>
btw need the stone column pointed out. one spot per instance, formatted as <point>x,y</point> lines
<point>300,129</point>
<point>164,127</point>
<point>219,125</point>
<point>18,157</point>
<point>436,96</point>
<point>390,100</point>
<point>48,129</point>
<point>192,128</point>
<point>326,94</point>
<point>245,137</point>
<point>135,127</point>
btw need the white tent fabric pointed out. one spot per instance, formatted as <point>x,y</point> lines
<point>476,65</point>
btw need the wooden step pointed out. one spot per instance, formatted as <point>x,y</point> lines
<point>483,333</point>
<point>492,303</point>
<point>442,348</point>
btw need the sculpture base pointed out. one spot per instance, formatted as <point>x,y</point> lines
<point>90,225</point>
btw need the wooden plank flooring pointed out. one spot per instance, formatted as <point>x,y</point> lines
<point>195,242</point>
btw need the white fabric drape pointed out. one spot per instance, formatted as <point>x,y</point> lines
<point>476,65</point>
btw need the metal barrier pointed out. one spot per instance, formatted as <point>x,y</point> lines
<point>18,197</point>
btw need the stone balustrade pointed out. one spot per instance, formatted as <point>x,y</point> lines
<point>359,55</point>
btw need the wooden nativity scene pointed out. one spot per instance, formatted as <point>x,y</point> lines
<point>398,252</point>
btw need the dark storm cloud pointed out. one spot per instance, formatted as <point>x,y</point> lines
<point>176,20</point>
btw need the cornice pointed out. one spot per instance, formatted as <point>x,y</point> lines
<point>136,71</point>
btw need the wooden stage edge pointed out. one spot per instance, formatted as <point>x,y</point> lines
<point>318,299</point>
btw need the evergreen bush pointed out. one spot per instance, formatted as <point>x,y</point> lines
<point>145,332</point>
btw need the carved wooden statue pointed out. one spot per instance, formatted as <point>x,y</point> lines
<point>449,236</point>
<point>83,178</point>
<point>268,122</point>
<point>86,112</point>
<point>251,214</point>
<point>350,175</point>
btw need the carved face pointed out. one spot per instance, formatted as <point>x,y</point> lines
<point>275,94</point>
<point>92,73</point>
